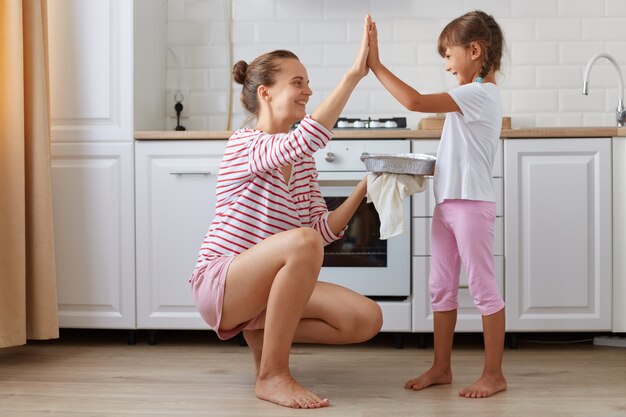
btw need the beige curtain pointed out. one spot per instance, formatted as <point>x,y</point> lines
<point>28,300</point>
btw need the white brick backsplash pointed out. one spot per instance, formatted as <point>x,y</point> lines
<point>540,53</point>
<point>575,101</point>
<point>605,29</point>
<point>340,54</point>
<point>558,119</point>
<point>534,100</point>
<point>185,33</point>
<point>534,8</point>
<point>520,77</point>
<point>578,52</point>
<point>558,29</point>
<point>417,30</point>
<point>296,10</point>
<point>616,8</point>
<point>176,10</point>
<point>497,8</point>
<point>254,10</point>
<point>548,45</point>
<point>581,8</point>
<point>199,104</point>
<point>560,76</point>
<point>328,32</point>
<point>271,33</point>
<point>518,29</point>
<point>206,57</point>
<point>344,9</point>
<point>204,10</point>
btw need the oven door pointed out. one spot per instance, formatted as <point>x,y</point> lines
<point>360,260</point>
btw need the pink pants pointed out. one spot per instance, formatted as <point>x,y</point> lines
<point>462,231</point>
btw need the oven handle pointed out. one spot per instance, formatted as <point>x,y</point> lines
<point>339,178</point>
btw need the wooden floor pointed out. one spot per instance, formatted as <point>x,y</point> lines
<point>93,373</point>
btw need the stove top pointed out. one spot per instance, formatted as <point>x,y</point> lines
<point>369,123</point>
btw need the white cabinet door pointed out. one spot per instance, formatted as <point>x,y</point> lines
<point>558,234</point>
<point>619,234</point>
<point>91,70</point>
<point>92,192</point>
<point>175,192</point>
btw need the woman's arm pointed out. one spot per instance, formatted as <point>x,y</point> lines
<point>339,217</point>
<point>404,93</point>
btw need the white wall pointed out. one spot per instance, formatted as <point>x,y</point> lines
<point>548,45</point>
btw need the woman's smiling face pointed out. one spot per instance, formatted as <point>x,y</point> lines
<point>290,92</point>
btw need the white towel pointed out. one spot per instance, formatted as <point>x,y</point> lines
<point>387,191</point>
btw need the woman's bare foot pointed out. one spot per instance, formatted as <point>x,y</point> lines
<point>283,390</point>
<point>254,339</point>
<point>486,386</point>
<point>431,377</point>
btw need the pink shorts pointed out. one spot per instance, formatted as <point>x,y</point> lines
<point>462,232</point>
<point>207,285</point>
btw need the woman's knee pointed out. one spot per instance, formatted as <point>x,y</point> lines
<point>366,322</point>
<point>306,243</point>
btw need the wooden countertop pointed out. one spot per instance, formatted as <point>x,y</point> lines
<point>549,132</point>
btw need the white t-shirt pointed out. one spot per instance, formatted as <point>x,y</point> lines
<point>468,145</point>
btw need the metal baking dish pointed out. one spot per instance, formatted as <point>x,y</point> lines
<point>407,163</point>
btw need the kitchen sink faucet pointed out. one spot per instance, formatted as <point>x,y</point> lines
<point>620,113</point>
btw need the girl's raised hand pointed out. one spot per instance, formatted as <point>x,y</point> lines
<point>373,58</point>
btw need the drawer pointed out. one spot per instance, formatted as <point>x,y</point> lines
<point>423,204</point>
<point>421,229</point>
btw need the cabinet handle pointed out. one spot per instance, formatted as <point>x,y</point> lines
<point>463,286</point>
<point>190,172</point>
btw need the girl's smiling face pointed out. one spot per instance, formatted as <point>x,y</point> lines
<point>290,93</point>
<point>463,63</point>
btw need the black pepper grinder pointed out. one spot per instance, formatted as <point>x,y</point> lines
<point>179,108</point>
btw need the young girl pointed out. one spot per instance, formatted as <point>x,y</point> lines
<point>259,262</point>
<point>463,221</point>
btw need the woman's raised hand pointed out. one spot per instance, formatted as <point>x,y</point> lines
<point>359,67</point>
<point>372,57</point>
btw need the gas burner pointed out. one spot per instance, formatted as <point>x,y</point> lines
<point>369,123</point>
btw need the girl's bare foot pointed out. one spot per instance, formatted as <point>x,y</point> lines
<point>487,385</point>
<point>254,339</point>
<point>431,377</point>
<point>283,390</point>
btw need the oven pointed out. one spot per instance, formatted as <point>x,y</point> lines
<point>361,261</point>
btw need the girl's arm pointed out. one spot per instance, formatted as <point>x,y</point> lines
<point>330,108</point>
<point>404,93</point>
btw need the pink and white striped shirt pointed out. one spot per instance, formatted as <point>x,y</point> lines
<point>253,201</point>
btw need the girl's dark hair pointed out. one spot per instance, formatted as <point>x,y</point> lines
<point>261,71</point>
<point>476,26</point>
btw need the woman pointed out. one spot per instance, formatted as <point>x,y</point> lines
<point>260,260</point>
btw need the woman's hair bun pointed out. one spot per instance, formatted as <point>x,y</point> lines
<point>239,71</point>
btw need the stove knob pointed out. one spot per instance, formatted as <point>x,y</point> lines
<point>391,123</point>
<point>375,124</point>
<point>343,123</point>
<point>359,124</point>
<point>330,157</point>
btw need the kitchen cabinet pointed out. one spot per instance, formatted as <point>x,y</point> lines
<point>558,238</point>
<point>90,50</point>
<point>619,234</point>
<point>94,234</point>
<point>423,206</point>
<point>175,190</point>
